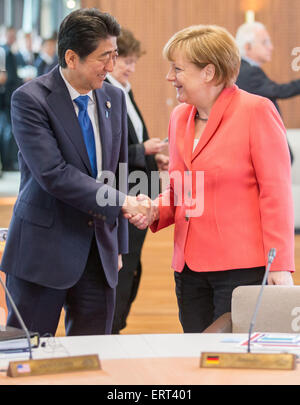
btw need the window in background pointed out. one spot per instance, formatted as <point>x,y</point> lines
<point>41,16</point>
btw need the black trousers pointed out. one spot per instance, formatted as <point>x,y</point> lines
<point>89,304</point>
<point>128,284</point>
<point>8,146</point>
<point>204,296</point>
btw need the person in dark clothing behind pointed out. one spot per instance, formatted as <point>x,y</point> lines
<point>47,58</point>
<point>256,48</point>
<point>143,155</point>
<point>8,146</point>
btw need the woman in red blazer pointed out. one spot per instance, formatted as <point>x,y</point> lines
<point>230,183</point>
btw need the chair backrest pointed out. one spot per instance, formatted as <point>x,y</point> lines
<point>279,310</point>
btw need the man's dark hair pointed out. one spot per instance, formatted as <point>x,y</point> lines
<point>82,30</point>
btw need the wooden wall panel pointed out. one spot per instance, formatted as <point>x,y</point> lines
<point>151,23</point>
<point>154,21</point>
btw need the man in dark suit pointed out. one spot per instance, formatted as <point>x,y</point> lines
<point>256,49</point>
<point>47,57</point>
<point>68,231</point>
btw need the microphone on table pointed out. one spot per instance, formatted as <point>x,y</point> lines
<point>21,368</point>
<point>3,236</point>
<point>271,257</point>
<point>281,361</point>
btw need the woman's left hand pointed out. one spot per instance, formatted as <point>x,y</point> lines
<point>280,278</point>
<point>162,161</point>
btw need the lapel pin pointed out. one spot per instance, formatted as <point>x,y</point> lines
<point>108,104</point>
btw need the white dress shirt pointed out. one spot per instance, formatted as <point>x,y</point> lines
<point>131,111</point>
<point>92,112</point>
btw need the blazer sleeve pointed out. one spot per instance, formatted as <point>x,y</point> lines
<point>167,208</point>
<point>259,83</point>
<point>271,161</point>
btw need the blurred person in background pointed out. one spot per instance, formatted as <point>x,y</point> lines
<point>256,49</point>
<point>27,48</point>
<point>3,78</point>
<point>144,154</point>
<point>47,58</point>
<point>28,44</point>
<point>8,146</point>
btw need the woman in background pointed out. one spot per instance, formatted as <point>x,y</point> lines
<point>143,155</point>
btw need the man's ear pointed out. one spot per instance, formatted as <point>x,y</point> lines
<point>71,59</point>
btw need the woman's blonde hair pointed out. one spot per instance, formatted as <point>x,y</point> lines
<point>207,44</point>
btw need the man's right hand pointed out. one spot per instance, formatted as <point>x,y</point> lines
<point>137,207</point>
<point>143,220</point>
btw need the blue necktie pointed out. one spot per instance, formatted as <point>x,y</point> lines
<point>87,131</point>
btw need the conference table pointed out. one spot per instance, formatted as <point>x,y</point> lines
<point>149,359</point>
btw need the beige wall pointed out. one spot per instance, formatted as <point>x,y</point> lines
<point>154,21</point>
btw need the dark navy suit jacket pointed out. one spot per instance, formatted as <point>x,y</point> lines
<point>254,80</point>
<point>56,214</point>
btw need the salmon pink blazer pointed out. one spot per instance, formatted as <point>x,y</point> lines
<point>240,176</point>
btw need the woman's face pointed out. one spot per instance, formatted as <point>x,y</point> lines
<point>187,78</point>
<point>124,67</point>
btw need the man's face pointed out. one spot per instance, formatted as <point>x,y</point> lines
<point>89,73</point>
<point>49,47</point>
<point>260,50</point>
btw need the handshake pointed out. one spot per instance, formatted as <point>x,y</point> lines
<point>141,211</point>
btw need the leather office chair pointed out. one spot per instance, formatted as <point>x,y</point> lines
<point>279,311</point>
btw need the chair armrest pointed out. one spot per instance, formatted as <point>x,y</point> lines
<point>221,325</point>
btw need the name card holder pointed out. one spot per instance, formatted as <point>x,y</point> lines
<point>24,368</point>
<point>279,361</point>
